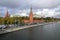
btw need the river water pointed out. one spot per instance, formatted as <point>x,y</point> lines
<point>43,32</point>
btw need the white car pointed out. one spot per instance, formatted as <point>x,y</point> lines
<point>2,26</point>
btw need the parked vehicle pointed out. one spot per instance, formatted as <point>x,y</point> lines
<point>2,26</point>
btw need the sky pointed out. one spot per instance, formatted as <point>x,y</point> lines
<point>46,8</point>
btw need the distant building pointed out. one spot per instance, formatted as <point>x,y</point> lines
<point>7,14</point>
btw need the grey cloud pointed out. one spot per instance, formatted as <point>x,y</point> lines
<point>27,3</point>
<point>2,13</point>
<point>36,4</point>
<point>9,3</point>
<point>57,16</point>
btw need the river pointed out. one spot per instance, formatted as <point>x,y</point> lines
<point>43,32</point>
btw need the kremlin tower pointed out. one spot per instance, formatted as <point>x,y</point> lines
<point>7,14</point>
<point>31,16</point>
<point>30,20</point>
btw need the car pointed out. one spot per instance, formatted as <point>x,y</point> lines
<point>2,26</point>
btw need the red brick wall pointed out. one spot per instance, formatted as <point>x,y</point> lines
<point>38,20</point>
<point>26,21</point>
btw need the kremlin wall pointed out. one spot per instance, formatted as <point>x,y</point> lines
<point>30,20</point>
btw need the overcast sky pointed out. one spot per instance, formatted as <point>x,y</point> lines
<point>47,7</point>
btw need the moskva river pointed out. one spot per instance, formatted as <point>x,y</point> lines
<point>44,32</point>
